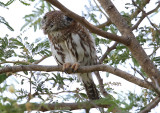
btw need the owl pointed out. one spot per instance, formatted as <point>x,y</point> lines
<point>71,46</point>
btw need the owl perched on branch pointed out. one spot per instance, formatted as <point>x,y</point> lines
<point>71,45</point>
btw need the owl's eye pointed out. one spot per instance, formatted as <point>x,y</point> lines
<point>44,17</point>
<point>68,18</point>
<point>51,25</point>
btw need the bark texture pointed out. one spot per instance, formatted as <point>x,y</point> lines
<point>133,45</point>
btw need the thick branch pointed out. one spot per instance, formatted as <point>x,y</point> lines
<point>134,46</point>
<point>82,69</point>
<point>66,106</point>
<point>85,23</point>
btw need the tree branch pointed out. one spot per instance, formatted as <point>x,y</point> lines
<point>88,25</point>
<point>101,10</point>
<point>16,62</point>
<point>25,62</point>
<point>132,16</point>
<point>154,87</point>
<point>82,69</point>
<point>101,85</point>
<point>144,14</point>
<point>144,2</point>
<point>104,24</point>
<point>154,24</point>
<point>133,45</point>
<point>67,106</point>
<point>40,60</point>
<point>107,52</point>
<point>139,21</point>
<point>151,105</point>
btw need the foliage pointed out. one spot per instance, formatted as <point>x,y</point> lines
<point>2,20</point>
<point>2,4</point>
<point>56,87</point>
<point>33,19</point>
<point>136,101</point>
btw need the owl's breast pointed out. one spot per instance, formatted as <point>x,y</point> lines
<point>72,49</point>
<point>62,53</point>
<point>56,37</point>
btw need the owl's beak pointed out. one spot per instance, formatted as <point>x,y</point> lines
<point>43,26</point>
<point>44,29</point>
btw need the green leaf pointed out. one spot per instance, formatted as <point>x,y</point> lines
<point>2,20</point>
<point>157,60</point>
<point>6,4</point>
<point>33,19</point>
<point>135,62</point>
<point>3,77</point>
<point>25,3</point>
<point>83,95</point>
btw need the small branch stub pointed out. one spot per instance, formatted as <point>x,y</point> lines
<point>110,7</point>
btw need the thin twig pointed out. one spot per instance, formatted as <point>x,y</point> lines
<point>104,24</point>
<point>101,85</point>
<point>154,25</point>
<point>107,52</point>
<point>16,62</point>
<point>154,51</point>
<point>156,89</point>
<point>101,9</point>
<point>40,60</point>
<point>144,14</point>
<point>137,11</point>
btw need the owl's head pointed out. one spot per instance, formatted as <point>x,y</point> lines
<point>55,21</point>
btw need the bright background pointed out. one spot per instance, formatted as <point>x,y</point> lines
<point>14,15</point>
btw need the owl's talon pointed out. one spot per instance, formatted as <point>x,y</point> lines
<point>75,67</point>
<point>66,67</point>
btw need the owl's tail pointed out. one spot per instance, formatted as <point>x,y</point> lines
<point>90,86</point>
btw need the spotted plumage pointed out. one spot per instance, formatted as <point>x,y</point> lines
<point>71,45</point>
